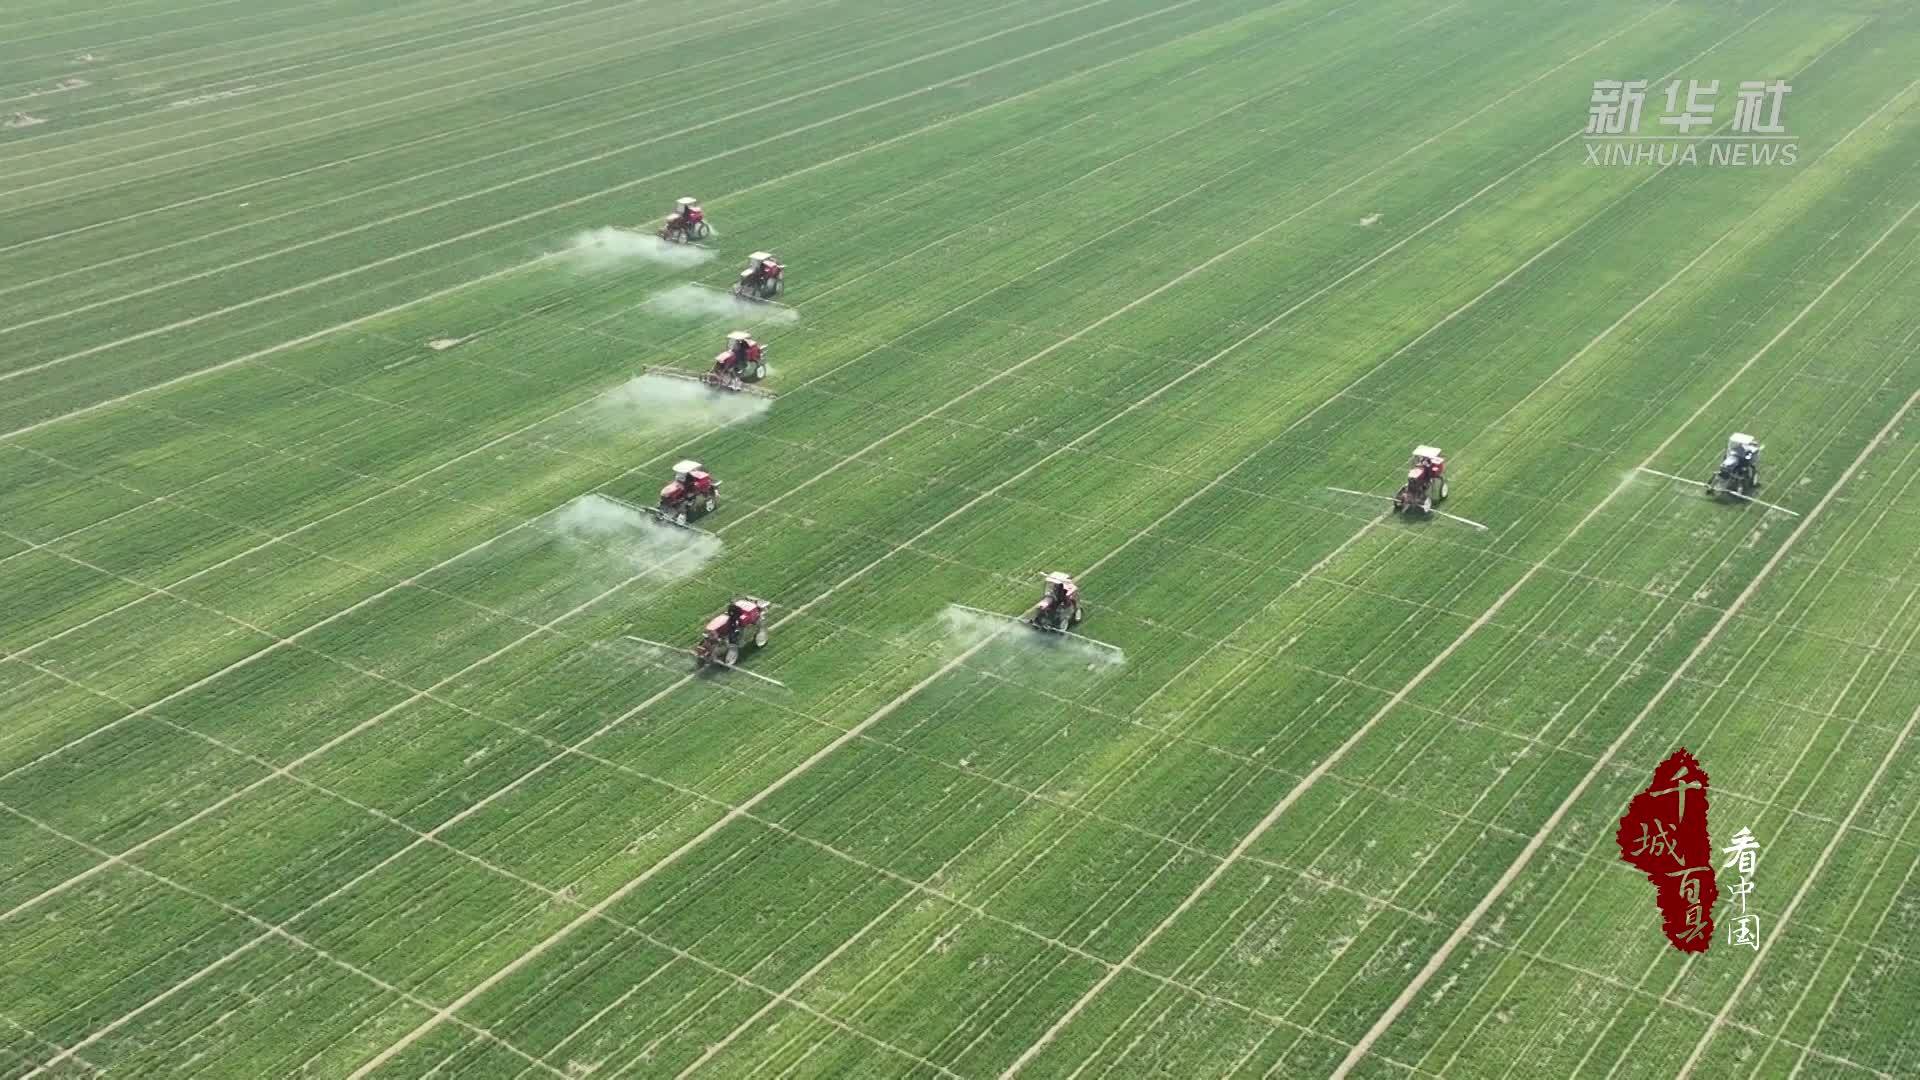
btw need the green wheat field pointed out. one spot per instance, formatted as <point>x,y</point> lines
<point>326,748</point>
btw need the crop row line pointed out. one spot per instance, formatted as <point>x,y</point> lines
<point>1328,762</point>
<point>1813,739</point>
<point>539,260</point>
<point>521,218</point>
<point>1347,679</point>
<point>1780,383</point>
<point>915,885</point>
<point>269,930</point>
<point>409,182</point>
<point>1526,855</point>
<point>573,407</point>
<point>254,112</point>
<point>1624,1054</point>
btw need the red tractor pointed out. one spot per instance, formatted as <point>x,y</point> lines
<point>694,492</point>
<point>743,361</point>
<point>762,279</point>
<point>687,223</point>
<point>1426,482</point>
<point>1059,606</point>
<point>744,620</point>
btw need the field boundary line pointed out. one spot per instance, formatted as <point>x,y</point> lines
<point>1642,627</point>
<point>90,134</point>
<point>1339,753</point>
<point>1589,853</point>
<point>35,16</point>
<point>769,823</point>
<point>1723,700</point>
<point>595,396</point>
<point>46,1042</point>
<point>1813,1039</point>
<point>295,42</point>
<point>1833,1003</point>
<point>279,642</point>
<point>1497,421</point>
<point>913,888</point>
<point>147,502</point>
<point>989,373</point>
<point>304,171</point>
<point>429,837</point>
<point>624,185</point>
<point>924,887</point>
<point>1826,853</point>
<point>1165,732</point>
<point>230,266</point>
<point>270,350</point>
<point>625,118</point>
<point>1512,872</point>
<point>115,45</point>
<point>887,709</point>
<point>271,929</point>
<point>372,316</point>
<point>588,400</point>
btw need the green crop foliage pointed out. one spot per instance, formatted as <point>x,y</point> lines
<point>344,723</point>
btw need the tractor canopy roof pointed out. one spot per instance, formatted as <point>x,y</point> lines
<point>759,255</point>
<point>1426,451</point>
<point>687,466</point>
<point>1740,439</point>
<point>688,201</point>
<point>1057,578</point>
<point>739,335</point>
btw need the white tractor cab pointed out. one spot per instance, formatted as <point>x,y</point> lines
<point>687,222</point>
<point>763,279</point>
<point>742,361</point>
<point>692,493</point>
<point>1426,483</point>
<point>1059,605</point>
<point>1739,471</point>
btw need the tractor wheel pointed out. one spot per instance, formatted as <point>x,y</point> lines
<point>733,655</point>
<point>760,638</point>
<point>1442,497</point>
<point>680,516</point>
<point>710,504</point>
<point>702,230</point>
<point>1079,612</point>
